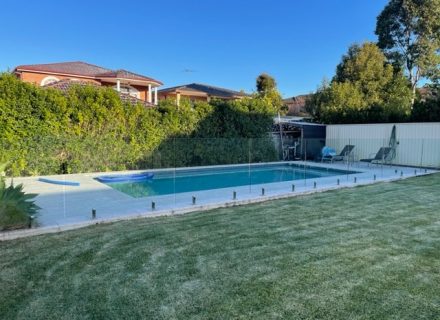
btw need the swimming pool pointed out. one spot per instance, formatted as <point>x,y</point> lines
<point>199,179</point>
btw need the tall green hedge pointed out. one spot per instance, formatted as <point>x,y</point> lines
<point>89,129</point>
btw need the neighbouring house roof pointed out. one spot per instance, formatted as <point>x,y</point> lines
<point>207,89</point>
<point>83,69</point>
<point>296,104</point>
<point>297,99</point>
<point>66,84</point>
<point>77,68</point>
<point>124,74</point>
<point>427,92</point>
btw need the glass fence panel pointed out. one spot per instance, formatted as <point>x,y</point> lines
<point>81,180</point>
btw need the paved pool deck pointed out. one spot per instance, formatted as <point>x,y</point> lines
<point>70,207</point>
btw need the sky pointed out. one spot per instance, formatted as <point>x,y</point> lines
<point>219,42</point>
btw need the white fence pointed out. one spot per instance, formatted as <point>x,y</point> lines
<point>418,143</point>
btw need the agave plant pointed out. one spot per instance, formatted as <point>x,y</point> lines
<point>16,207</point>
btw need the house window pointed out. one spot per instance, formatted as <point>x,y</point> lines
<point>49,80</point>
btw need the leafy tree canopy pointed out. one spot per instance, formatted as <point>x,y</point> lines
<point>265,83</point>
<point>267,90</point>
<point>366,88</point>
<point>409,33</point>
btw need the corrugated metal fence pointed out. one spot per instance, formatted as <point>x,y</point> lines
<point>418,143</point>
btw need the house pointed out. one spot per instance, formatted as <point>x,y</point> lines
<point>296,105</point>
<point>63,74</point>
<point>199,92</point>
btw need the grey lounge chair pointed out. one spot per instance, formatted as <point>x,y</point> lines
<point>344,153</point>
<point>382,156</point>
<point>341,156</point>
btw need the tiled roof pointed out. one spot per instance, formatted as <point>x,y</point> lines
<point>133,100</point>
<point>79,68</point>
<point>74,68</point>
<point>124,74</point>
<point>66,84</point>
<point>296,104</point>
<point>210,90</point>
<point>301,99</point>
<point>427,92</point>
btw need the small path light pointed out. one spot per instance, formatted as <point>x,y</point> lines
<point>193,200</point>
<point>234,195</point>
<point>293,188</point>
<point>93,213</point>
<point>374,177</point>
<point>262,191</point>
<point>338,182</point>
<point>401,173</point>
<point>355,179</point>
<point>415,172</point>
<point>153,205</point>
<point>314,185</point>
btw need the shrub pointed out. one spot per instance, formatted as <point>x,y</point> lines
<point>16,207</point>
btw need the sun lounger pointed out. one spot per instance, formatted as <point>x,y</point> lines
<point>330,155</point>
<point>382,156</point>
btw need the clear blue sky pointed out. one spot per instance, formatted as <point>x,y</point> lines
<point>225,43</point>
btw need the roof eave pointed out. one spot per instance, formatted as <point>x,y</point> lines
<point>21,69</point>
<point>54,73</point>
<point>152,81</point>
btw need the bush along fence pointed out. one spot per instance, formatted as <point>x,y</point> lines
<point>90,129</point>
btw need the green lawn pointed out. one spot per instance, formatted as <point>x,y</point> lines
<point>365,253</point>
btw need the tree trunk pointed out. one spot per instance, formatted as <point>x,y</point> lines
<point>413,98</point>
<point>414,79</point>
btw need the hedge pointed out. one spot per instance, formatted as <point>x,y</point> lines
<point>90,129</point>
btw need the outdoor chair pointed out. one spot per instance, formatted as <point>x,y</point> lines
<point>381,157</point>
<point>328,155</point>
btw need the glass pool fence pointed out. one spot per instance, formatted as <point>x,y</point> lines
<point>79,179</point>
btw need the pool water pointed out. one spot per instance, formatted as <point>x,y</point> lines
<point>189,180</point>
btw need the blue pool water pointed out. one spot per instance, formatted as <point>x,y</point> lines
<point>188,180</point>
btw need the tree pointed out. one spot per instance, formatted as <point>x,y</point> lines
<point>366,67</point>
<point>409,34</point>
<point>366,88</point>
<point>314,101</point>
<point>265,84</point>
<point>267,91</point>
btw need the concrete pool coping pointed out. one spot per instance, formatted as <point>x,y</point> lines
<point>71,208</point>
